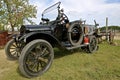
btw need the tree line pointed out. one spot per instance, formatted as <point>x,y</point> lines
<point>110,28</point>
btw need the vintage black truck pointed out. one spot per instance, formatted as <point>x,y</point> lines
<point>34,45</point>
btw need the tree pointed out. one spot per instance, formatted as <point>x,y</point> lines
<point>16,12</point>
<point>1,13</point>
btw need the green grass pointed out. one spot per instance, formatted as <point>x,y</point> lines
<point>101,65</point>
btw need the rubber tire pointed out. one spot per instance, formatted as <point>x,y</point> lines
<point>89,47</point>
<point>69,35</point>
<point>22,67</point>
<point>7,50</point>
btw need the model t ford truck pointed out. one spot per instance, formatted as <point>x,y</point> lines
<point>34,45</point>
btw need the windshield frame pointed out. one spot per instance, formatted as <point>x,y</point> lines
<point>47,10</point>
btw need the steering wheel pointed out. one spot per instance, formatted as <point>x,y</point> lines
<point>63,18</point>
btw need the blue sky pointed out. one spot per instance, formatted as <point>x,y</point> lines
<point>113,1</point>
<point>84,9</point>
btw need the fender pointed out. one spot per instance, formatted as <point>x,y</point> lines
<point>15,37</point>
<point>40,35</point>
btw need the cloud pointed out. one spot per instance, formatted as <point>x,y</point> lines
<point>85,9</point>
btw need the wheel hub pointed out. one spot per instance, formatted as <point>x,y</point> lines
<point>18,49</point>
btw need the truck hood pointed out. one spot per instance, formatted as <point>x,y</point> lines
<point>36,27</point>
<point>33,28</point>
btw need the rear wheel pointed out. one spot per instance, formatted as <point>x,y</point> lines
<point>12,50</point>
<point>36,58</point>
<point>92,47</point>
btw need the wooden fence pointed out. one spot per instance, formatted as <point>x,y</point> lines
<point>3,38</point>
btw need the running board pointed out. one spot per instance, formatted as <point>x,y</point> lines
<point>74,47</point>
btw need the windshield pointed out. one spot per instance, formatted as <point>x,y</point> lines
<point>51,12</point>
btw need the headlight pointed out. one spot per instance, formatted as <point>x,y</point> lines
<point>22,29</point>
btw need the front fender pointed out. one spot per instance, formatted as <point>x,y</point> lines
<point>40,35</point>
<point>14,36</point>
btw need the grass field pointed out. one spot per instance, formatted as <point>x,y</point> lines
<point>102,65</point>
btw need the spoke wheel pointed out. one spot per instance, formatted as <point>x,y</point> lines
<point>12,50</point>
<point>93,44</point>
<point>36,58</point>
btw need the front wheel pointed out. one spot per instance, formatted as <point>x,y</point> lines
<point>36,58</point>
<point>12,50</point>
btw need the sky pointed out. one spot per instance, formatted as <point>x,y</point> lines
<point>88,10</point>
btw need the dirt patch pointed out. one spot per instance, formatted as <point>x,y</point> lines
<point>117,37</point>
<point>4,63</point>
<point>4,70</point>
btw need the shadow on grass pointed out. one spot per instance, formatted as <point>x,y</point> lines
<point>57,54</point>
<point>61,53</point>
<point>20,74</point>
